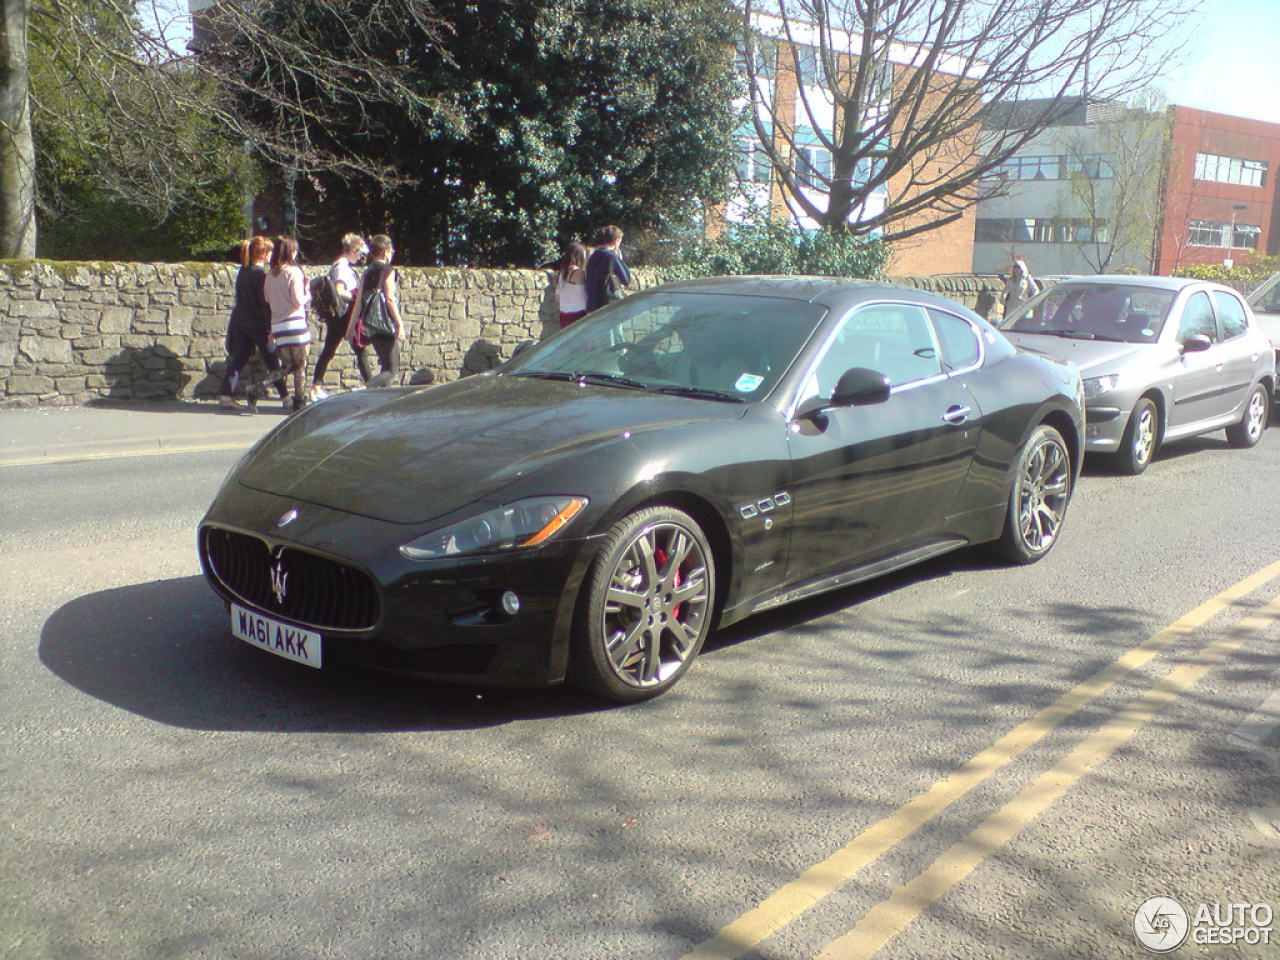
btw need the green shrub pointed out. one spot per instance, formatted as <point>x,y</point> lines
<point>772,248</point>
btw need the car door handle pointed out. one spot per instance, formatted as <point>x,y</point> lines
<point>957,414</point>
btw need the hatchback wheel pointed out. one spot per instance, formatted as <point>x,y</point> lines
<point>647,607</point>
<point>1140,438</point>
<point>1038,498</point>
<point>1248,431</point>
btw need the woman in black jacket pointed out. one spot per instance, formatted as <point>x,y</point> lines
<point>250,324</point>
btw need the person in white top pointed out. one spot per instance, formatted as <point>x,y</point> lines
<point>1019,288</point>
<point>345,283</point>
<point>571,285</point>
<point>286,291</point>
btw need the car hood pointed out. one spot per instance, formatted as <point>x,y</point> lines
<point>1089,355</point>
<point>425,453</point>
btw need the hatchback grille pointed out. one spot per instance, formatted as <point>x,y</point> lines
<point>291,583</point>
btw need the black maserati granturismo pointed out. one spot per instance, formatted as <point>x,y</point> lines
<point>670,464</point>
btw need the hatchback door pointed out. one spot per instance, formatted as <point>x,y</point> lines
<point>1199,389</point>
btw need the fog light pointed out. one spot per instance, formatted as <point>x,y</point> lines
<point>510,603</point>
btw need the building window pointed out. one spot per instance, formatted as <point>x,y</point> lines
<point>1246,173</point>
<point>812,167</point>
<point>1040,230</point>
<point>1094,166</point>
<point>1213,233</point>
<point>753,162</point>
<point>806,62</point>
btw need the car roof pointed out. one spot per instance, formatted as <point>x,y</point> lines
<point>1157,283</point>
<point>831,292</point>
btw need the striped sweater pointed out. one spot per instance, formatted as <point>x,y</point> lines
<point>288,295</point>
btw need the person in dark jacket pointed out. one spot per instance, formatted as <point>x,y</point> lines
<point>250,324</point>
<point>607,274</point>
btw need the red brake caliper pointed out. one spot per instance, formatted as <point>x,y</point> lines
<point>660,558</point>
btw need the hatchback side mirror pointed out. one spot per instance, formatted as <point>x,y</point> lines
<point>860,387</point>
<point>1196,343</point>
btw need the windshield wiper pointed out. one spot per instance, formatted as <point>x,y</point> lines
<point>545,374</point>
<point>611,380</point>
<point>596,379</point>
<point>699,393</point>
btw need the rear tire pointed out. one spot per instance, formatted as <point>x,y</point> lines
<point>647,607</point>
<point>1038,498</point>
<point>1141,437</point>
<point>1253,422</point>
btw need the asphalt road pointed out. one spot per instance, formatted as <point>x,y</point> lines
<point>959,761</point>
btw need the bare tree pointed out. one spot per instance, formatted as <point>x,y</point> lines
<point>916,100</point>
<point>1114,189</point>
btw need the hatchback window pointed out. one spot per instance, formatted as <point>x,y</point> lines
<point>1231,313</point>
<point>1197,318</point>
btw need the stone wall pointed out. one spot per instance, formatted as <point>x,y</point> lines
<point>76,333</point>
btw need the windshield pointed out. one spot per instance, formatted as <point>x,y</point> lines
<point>1119,312</point>
<point>713,346</point>
<point>1266,299</point>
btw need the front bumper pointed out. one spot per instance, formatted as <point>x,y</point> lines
<point>1105,424</point>
<point>441,618</point>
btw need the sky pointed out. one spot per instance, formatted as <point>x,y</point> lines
<point>1233,66</point>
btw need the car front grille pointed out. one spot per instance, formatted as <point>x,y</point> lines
<point>287,582</point>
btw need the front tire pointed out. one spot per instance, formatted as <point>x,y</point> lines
<point>1248,431</point>
<point>647,608</point>
<point>1141,437</point>
<point>1038,498</point>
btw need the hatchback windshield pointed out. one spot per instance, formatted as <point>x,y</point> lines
<point>1118,312</point>
<point>1266,299</point>
<point>714,346</point>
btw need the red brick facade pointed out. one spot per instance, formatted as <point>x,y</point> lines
<point>1215,178</point>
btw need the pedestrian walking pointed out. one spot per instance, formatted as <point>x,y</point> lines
<point>379,310</point>
<point>571,285</point>
<point>250,325</point>
<point>1019,288</point>
<point>286,291</point>
<point>336,314</point>
<point>607,273</point>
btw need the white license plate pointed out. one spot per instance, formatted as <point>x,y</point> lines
<point>282,639</point>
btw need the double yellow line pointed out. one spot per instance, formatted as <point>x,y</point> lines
<point>888,918</point>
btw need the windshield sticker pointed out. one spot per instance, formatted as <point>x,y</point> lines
<point>748,382</point>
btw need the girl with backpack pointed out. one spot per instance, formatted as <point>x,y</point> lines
<point>379,310</point>
<point>339,287</point>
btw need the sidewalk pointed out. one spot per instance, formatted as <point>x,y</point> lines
<point>59,434</point>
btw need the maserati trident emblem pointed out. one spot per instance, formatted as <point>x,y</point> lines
<point>287,518</point>
<point>279,581</point>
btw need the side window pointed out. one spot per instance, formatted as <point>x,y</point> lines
<point>959,340</point>
<point>1197,317</point>
<point>894,339</point>
<point>1231,313</point>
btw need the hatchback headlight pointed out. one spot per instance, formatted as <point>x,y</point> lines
<point>1097,386</point>
<point>525,523</point>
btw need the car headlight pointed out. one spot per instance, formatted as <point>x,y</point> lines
<point>525,523</point>
<point>1097,386</point>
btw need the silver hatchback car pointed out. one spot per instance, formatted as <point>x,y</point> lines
<point>1161,357</point>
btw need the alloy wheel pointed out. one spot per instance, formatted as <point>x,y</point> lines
<point>656,605</point>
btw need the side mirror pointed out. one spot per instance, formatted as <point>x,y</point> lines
<point>524,346</point>
<point>1196,343</point>
<point>860,387</point>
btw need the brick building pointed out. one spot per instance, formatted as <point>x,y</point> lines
<point>1221,196</point>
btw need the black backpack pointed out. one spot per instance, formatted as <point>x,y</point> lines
<point>324,297</point>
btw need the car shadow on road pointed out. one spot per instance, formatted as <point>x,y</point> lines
<point>164,650</point>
